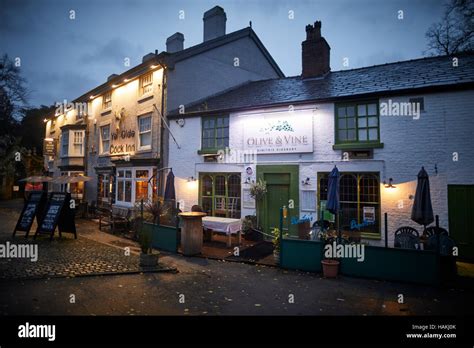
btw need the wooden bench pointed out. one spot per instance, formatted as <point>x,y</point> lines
<point>115,217</point>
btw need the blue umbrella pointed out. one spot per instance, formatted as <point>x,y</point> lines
<point>422,211</point>
<point>332,204</point>
<point>170,193</point>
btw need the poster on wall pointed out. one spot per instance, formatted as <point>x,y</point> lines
<point>248,201</point>
<point>368,214</point>
<point>279,132</point>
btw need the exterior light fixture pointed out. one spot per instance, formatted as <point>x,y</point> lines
<point>191,179</point>
<point>306,181</point>
<point>114,86</point>
<point>285,212</point>
<point>45,120</point>
<point>389,185</point>
<point>91,97</point>
<point>126,80</point>
<point>153,66</point>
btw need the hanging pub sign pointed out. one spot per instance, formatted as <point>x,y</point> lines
<point>49,147</point>
<point>33,208</point>
<point>58,213</point>
<point>279,132</point>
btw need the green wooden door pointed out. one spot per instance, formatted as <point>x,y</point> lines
<point>461,218</point>
<point>277,196</point>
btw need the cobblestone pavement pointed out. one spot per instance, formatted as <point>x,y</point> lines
<point>65,257</point>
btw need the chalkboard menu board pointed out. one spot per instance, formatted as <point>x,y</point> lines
<point>57,214</point>
<point>33,207</point>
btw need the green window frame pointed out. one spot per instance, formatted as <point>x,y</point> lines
<point>357,123</point>
<point>215,133</point>
<point>357,190</point>
<point>220,194</point>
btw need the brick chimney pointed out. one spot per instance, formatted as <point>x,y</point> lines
<point>175,43</point>
<point>315,52</point>
<point>214,23</point>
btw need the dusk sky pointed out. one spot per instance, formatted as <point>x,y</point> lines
<point>63,58</point>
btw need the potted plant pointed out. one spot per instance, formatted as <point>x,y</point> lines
<point>249,227</point>
<point>148,258</point>
<point>277,244</point>
<point>258,190</point>
<point>330,265</point>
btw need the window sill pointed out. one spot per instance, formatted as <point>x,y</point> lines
<point>369,235</point>
<point>357,146</point>
<point>145,97</point>
<point>144,149</point>
<point>208,151</point>
<point>106,111</point>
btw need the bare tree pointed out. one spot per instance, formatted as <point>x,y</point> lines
<point>12,86</point>
<point>455,32</point>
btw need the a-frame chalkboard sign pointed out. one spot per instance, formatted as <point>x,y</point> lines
<point>33,207</point>
<point>58,213</point>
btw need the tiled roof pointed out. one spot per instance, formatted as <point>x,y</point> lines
<point>406,76</point>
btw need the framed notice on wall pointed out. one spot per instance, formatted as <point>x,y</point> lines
<point>248,201</point>
<point>368,214</point>
<point>308,200</point>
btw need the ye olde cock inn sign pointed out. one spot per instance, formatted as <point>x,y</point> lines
<point>282,132</point>
<point>123,142</point>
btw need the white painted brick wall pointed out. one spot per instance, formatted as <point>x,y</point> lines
<point>446,126</point>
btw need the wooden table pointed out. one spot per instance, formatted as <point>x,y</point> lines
<point>224,225</point>
<point>191,232</point>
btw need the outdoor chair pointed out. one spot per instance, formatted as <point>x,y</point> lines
<point>407,238</point>
<point>433,230</point>
<point>196,208</point>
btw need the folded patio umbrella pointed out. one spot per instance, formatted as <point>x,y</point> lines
<point>37,178</point>
<point>332,204</point>
<point>422,211</point>
<point>170,193</point>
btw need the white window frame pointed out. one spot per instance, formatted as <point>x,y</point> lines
<point>107,102</point>
<point>102,140</point>
<point>65,143</point>
<point>133,180</point>
<point>77,142</point>
<point>146,84</point>
<point>144,147</point>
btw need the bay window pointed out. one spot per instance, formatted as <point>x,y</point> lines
<point>72,143</point>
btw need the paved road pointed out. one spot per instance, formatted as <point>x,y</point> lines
<point>209,287</point>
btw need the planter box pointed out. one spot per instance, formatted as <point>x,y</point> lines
<point>163,237</point>
<point>416,266</point>
<point>300,254</point>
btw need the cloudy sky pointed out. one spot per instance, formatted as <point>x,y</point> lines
<point>63,58</point>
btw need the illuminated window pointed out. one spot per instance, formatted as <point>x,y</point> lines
<point>146,84</point>
<point>359,199</point>
<point>105,138</point>
<point>220,194</point>
<point>107,100</point>
<point>144,130</point>
<point>134,185</point>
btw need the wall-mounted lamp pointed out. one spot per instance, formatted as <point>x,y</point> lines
<point>306,181</point>
<point>389,185</point>
<point>45,120</point>
<point>191,179</point>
